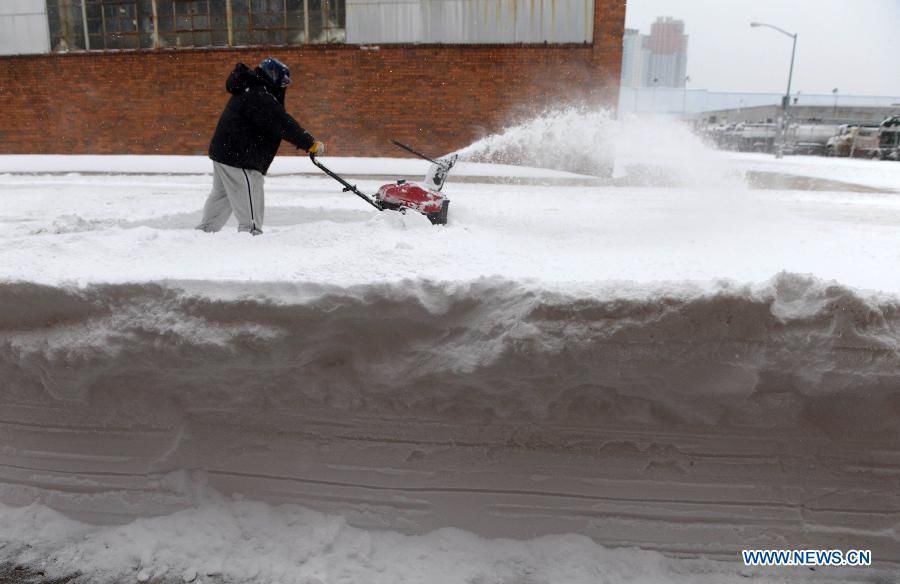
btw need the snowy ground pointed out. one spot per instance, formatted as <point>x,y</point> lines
<point>587,369</point>
<point>853,171</point>
<point>113,228</point>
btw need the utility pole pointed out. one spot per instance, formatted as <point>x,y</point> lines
<point>786,100</point>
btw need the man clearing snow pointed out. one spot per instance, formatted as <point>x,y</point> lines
<point>247,137</point>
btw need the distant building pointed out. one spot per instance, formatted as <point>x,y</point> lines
<point>666,54</point>
<point>632,58</point>
<point>655,60</point>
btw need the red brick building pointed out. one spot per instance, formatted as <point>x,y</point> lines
<point>354,97</point>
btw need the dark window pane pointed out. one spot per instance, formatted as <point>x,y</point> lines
<point>129,24</point>
<point>219,38</point>
<point>66,25</point>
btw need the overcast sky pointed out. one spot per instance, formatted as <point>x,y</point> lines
<point>853,45</point>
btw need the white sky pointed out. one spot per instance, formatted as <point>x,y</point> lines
<point>853,45</point>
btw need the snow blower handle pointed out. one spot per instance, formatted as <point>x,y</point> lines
<point>412,150</point>
<point>347,186</point>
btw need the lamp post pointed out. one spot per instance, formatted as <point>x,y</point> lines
<point>687,79</point>
<point>835,92</point>
<point>786,102</point>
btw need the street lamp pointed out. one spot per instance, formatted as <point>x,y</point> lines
<point>687,79</point>
<point>786,102</point>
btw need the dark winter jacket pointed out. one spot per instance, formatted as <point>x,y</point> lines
<point>254,123</point>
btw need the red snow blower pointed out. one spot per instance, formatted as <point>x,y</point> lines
<point>426,198</point>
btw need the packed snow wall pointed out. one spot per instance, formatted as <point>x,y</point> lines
<point>683,421</point>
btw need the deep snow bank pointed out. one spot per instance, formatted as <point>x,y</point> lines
<point>488,348</point>
<point>691,422</point>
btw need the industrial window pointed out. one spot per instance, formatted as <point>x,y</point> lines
<point>67,30</point>
<point>191,19</point>
<point>119,24</point>
<point>145,24</point>
<point>191,23</point>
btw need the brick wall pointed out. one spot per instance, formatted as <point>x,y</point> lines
<point>442,97</point>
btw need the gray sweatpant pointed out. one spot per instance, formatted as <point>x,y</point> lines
<point>234,189</point>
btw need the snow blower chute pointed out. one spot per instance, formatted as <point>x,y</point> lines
<point>426,198</point>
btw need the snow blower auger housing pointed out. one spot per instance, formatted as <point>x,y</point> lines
<point>426,198</point>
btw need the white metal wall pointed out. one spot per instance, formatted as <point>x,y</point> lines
<point>469,21</point>
<point>678,100</point>
<point>23,27</point>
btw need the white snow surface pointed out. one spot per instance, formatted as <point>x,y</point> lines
<point>870,173</point>
<point>167,164</point>
<point>81,228</point>
<point>232,540</point>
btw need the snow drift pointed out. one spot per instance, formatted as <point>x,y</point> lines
<point>489,348</point>
<point>493,406</point>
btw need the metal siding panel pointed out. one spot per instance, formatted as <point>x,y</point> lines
<point>547,20</point>
<point>469,21</point>
<point>444,21</point>
<point>376,21</point>
<point>525,20</point>
<point>477,21</point>
<point>7,36</point>
<point>24,34</point>
<point>38,33</point>
<point>568,21</point>
<point>20,7</point>
<point>11,8</point>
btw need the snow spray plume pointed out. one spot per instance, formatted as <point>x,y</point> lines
<point>636,151</point>
<point>574,139</point>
